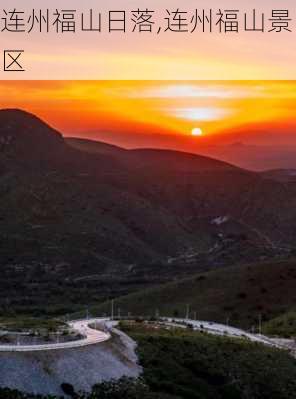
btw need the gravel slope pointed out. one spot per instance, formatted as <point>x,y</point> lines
<point>44,372</point>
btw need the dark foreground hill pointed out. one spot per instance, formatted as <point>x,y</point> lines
<point>78,224</point>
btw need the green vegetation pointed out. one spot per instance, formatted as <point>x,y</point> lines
<point>237,294</point>
<point>22,323</point>
<point>198,366</point>
<point>125,388</point>
<point>283,326</point>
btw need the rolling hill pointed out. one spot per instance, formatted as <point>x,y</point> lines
<point>82,222</point>
<point>236,295</point>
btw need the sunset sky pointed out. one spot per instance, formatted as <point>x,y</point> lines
<point>126,111</point>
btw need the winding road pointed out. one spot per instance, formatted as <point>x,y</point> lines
<point>87,328</point>
<point>90,336</point>
<point>222,329</point>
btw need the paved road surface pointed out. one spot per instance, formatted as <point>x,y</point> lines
<point>221,329</point>
<point>90,336</point>
<point>93,336</point>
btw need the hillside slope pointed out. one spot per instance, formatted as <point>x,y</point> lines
<point>194,366</point>
<point>235,295</point>
<point>77,226</point>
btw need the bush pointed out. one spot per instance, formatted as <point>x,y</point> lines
<point>68,389</point>
<point>191,365</point>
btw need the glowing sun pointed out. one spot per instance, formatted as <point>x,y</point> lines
<point>196,132</point>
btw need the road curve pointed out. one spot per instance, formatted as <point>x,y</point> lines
<point>222,329</point>
<point>90,336</point>
<point>93,336</point>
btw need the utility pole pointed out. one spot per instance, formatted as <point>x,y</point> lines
<point>260,324</point>
<point>187,312</point>
<point>112,309</point>
<point>87,314</point>
<point>195,315</point>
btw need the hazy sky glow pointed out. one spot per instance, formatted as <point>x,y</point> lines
<point>83,108</point>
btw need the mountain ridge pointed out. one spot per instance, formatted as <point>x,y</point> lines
<point>129,219</point>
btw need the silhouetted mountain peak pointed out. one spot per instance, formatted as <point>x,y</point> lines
<point>22,131</point>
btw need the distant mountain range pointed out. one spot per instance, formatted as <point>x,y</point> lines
<point>82,221</point>
<point>254,157</point>
<point>251,147</point>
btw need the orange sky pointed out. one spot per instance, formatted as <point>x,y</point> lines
<point>154,108</point>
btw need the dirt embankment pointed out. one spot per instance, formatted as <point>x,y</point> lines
<point>44,372</point>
